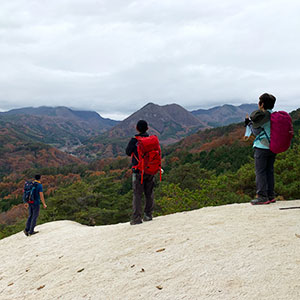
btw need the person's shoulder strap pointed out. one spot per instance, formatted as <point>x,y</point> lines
<point>268,138</point>
<point>138,137</point>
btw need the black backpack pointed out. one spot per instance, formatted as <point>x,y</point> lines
<point>29,192</point>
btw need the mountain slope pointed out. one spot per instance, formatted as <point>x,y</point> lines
<point>65,113</point>
<point>211,253</point>
<point>59,126</point>
<point>19,152</point>
<point>169,122</point>
<point>224,115</point>
<point>213,138</point>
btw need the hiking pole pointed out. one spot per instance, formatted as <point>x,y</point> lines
<point>292,207</point>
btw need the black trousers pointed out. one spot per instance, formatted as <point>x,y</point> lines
<point>138,190</point>
<point>264,171</point>
<point>34,211</point>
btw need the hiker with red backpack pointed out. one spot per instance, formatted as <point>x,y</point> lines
<point>146,162</point>
<point>273,131</point>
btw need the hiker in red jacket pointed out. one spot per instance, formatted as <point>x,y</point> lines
<point>142,175</point>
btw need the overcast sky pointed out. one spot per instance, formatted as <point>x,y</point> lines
<point>115,56</point>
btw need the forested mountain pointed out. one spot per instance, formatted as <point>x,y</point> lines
<point>212,138</point>
<point>224,115</point>
<point>95,120</point>
<point>169,122</point>
<point>88,136</point>
<point>18,153</point>
<point>211,167</point>
<point>61,127</point>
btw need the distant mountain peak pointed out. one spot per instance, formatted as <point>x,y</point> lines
<point>224,115</point>
<point>150,104</point>
<point>170,122</point>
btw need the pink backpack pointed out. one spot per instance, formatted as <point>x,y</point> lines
<point>281,131</point>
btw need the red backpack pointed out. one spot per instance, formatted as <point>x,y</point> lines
<point>281,131</point>
<point>149,155</point>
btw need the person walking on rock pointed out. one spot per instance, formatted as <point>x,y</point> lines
<point>146,162</point>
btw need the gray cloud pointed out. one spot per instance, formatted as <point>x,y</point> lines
<point>114,56</point>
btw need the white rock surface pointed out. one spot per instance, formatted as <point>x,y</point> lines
<point>229,252</point>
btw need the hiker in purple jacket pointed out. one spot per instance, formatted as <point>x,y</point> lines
<point>260,126</point>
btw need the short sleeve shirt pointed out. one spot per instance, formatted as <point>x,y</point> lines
<point>37,198</point>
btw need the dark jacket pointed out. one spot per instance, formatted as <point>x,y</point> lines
<point>262,132</point>
<point>132,148</point>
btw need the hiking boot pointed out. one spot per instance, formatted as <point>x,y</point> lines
<point>259,200</point>
<point>147,218</point>
<point>272,198</point>
<point>136,222</point>
<point>34,232</point>
<point>25,232</point>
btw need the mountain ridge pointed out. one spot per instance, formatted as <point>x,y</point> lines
<point>157,116</point>
<point>61,112</point>
<point>60,127</point>
<point>87,135</point>
<point>224,115</point>
<point>169,122</point>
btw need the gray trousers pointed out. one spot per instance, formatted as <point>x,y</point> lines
<point>138,191</point>
<point>34,211</point>
<point>264,171</point>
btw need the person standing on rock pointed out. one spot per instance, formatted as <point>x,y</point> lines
<point>34,206</point>
<point>146,162</point>
<point>260,126</point>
